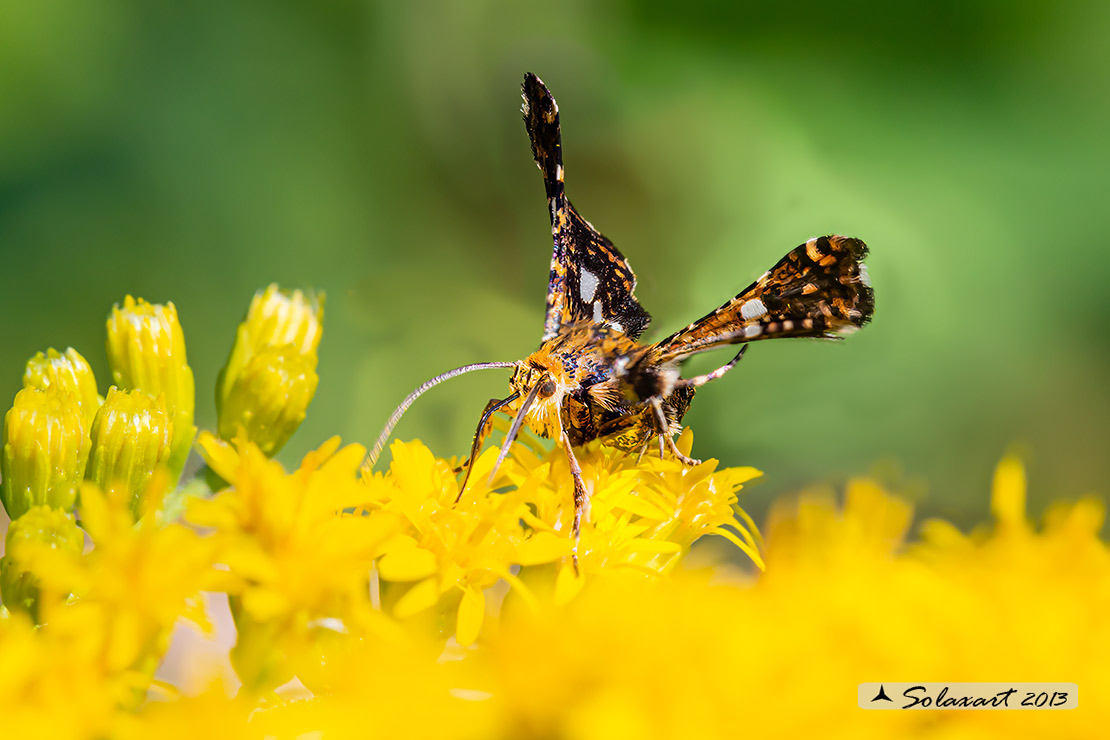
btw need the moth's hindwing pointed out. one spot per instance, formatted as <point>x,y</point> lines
<point>590,279</point>
<point>819,289</point>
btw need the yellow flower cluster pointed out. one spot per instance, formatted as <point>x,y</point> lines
<point>387,604</point>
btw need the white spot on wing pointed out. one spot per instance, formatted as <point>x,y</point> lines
<point>753,309</point>
<point>863,276</point>
<point>587,286</point>
<point>753,330</point>
<point>597,311</point>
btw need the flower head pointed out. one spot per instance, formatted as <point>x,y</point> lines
<point>45,448</point>
<point>131,436</point>
<point>298,566</point>
<point>67,371</point>
<point>643,517</point>
<point>131,588</point>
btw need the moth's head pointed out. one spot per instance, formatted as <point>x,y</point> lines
<point>541,373</point>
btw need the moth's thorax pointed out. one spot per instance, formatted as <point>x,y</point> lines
<point>580,358</point>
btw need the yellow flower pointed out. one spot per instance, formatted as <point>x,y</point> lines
<point>643,514</point>
<point>52,682</point>
<point>130,438</point>
<point>270,376</point>
<point>140,577</point>
<point>146,351</point>
<point>298,566</point>
<point>98,648</point>
<point>45,448</point>
<point>67,371</point>
<point>642,519</point>
<point>450,553</point>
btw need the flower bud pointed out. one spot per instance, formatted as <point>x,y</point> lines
<point>146,351</point>
<point>66,371</point>
<point>46,445</point>
<point>269,398</point>
<point>40,526</point>
<point>131,436</point>
<point>270,375</point>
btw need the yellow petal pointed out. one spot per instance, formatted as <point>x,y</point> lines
<point>567,584</point>
<point>422,596</point>
<point>407,564</point>
<point>543,547</point>
<point>641,544</point>
<point>1008,492</point>
<point>472,610</point>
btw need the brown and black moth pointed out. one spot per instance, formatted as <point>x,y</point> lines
<point>592,378</point>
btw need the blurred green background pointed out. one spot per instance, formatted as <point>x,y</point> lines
<point>195,152</point>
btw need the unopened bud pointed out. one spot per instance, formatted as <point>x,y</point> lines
<point>131,436</point>
<point>270,376</point>
<point>64,371</point>
<point>40,526</point>
<point>146,351</point>
<point>269,398</point>
<point>46,445</point>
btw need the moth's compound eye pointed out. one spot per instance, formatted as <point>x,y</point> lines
<point>547,388</point>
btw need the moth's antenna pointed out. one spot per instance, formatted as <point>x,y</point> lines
<point>400,411</point>
<point>513,429</point>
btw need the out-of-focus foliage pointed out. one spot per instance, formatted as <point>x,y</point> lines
<point>193,151</point>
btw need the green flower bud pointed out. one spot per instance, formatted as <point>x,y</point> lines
<point>270,375</point>
<point>131,436</point>
<point>146,351</point>
<point>46,445</point>
<point>40,526</point>
<point>270,397</point>
<point>66,372</point>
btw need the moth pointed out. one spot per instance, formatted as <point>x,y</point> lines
<point>592,378</point>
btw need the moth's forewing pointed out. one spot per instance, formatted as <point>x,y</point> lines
<point>590,279</point>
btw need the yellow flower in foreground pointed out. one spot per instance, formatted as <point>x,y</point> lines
<point>53,683</point>
<point>67,371</point>
<point>45,448</point>
<point>299,568</point>
<point>700,654</point>
<point>139,578</point>
<point>146,351</point>
<point>94,657</point>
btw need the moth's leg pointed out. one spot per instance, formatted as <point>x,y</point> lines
<point>665,432</point>
<point>579,496</point>
<point>485,428</point>
<point>643,449</point>
<point>701,380</point>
